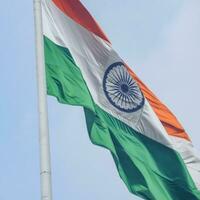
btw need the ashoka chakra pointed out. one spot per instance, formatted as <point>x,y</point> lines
<point>121,89</point>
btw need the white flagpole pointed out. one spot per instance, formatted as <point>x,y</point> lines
<point>45,166</point>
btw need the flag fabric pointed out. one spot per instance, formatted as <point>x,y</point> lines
<point>153,154</point>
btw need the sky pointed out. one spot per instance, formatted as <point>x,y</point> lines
<point>158,39</point>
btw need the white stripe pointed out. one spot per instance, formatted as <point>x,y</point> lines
<point>93,55</point>
<point>190,156</point>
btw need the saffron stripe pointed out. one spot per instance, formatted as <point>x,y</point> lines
<point>76,11</point>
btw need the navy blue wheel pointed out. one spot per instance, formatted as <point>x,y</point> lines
<point>121,89</point>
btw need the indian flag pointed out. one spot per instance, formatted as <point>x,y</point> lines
<point>153,154</point>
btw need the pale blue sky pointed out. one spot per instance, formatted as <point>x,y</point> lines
<point>158,39</point>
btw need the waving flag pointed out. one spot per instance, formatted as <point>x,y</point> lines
<point>153,153</point>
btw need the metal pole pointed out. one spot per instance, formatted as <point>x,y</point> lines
<point>45,167</point>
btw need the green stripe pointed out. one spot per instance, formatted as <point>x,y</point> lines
<point>148,168</point>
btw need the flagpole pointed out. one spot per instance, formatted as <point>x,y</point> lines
<point>45,166</point>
